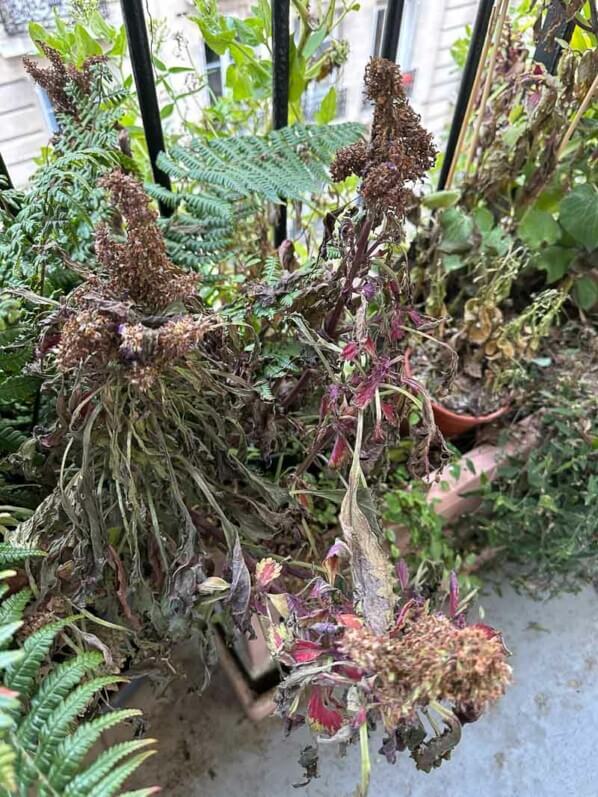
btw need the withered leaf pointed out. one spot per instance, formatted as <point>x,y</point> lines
<point>240,587</point>
<point>370,568</point>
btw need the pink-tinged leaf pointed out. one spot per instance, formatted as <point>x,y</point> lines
<point>266,571</point>
<point>320,717</point>
<point>359,718</point>
<point>349,620</point>
<point>403,614</point>
<point>369,346</point>
<point>487,630</point>
<point>453,594</point>
<point>403,574</point>
<point>340,449</point>
<point>416,318</point>
<point>396,326</point>
<point>339,549</point>
<point>365,394</point>
<point>304,651</point>
<point>350,671</point>
<point>350,352</point>
<point>367,390</point>
<point>378,435</point>
<point>389,412</point>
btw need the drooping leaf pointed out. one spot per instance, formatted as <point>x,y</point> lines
<point>370,568</point>
<point>554,260</point>
<point>579,215</point>
<point>538,227</point>
<point>585,291</point>
<point>457,228</point>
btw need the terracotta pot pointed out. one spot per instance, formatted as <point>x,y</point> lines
<point>452,424</point>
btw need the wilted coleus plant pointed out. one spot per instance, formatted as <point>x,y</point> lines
<point>366,649</point>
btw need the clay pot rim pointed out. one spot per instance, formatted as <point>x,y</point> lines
<point>461,416</point>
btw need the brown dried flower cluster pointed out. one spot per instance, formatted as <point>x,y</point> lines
<point>139,268</point>
<point>399,152</point>
<point>115,318</point>
<point>56,78</point>
<point>431,659</point>
<point>89,336</point>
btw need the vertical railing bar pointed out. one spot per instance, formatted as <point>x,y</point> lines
<point>280,90</point>
<point>556,26</point>
<point>393,16</point>
<point>143,73</point>
<point>7,182</point>
<point>478,37</point>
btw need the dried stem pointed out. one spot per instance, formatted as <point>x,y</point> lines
<point>577,118</point>
<point>360,255</point>
<point>471,101</point>
<point>501,16</point>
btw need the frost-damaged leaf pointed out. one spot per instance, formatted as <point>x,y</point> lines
<point>240,588</point>
<point>372,582</point>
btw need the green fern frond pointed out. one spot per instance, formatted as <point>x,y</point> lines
<point>110,784</point>
<point>8,780</point>
<point>11,554</point>
<point>11,439</point>
<point>101,767</point>
<point>41,752</point>
<point>221,180</point>
<point>53,689</point>
<point>11,609</point>
<point>75,747</point>
<point>22,675</point>
<point>18,388</point>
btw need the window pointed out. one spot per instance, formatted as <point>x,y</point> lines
<point>214,72</point>
<point>405,48</point>
<point>406,39</point>
<point>47,109</point>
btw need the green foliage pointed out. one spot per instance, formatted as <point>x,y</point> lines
<point>50,223</point>
<point>541,510</point>
<point>225,180</point>
<point>430,552</point>
<point>44,747</point>
<point>314,54</point>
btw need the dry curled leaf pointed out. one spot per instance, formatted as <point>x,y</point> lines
<point>370,568</point>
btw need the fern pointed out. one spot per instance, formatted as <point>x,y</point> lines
<point>44,749</point>
<point>223,180</point>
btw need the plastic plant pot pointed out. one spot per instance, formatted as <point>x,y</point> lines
<point>453,424</point>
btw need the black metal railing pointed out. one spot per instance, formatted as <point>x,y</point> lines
<point>15,15</point>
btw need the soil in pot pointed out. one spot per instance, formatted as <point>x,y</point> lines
<point>468,394</point>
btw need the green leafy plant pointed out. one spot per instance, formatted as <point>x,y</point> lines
<point>44,747</point>
<point>540,512</point>
<point>224,185</point>
<point>314,55</point>
<point>521,205</point>
<point>430,550</point>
